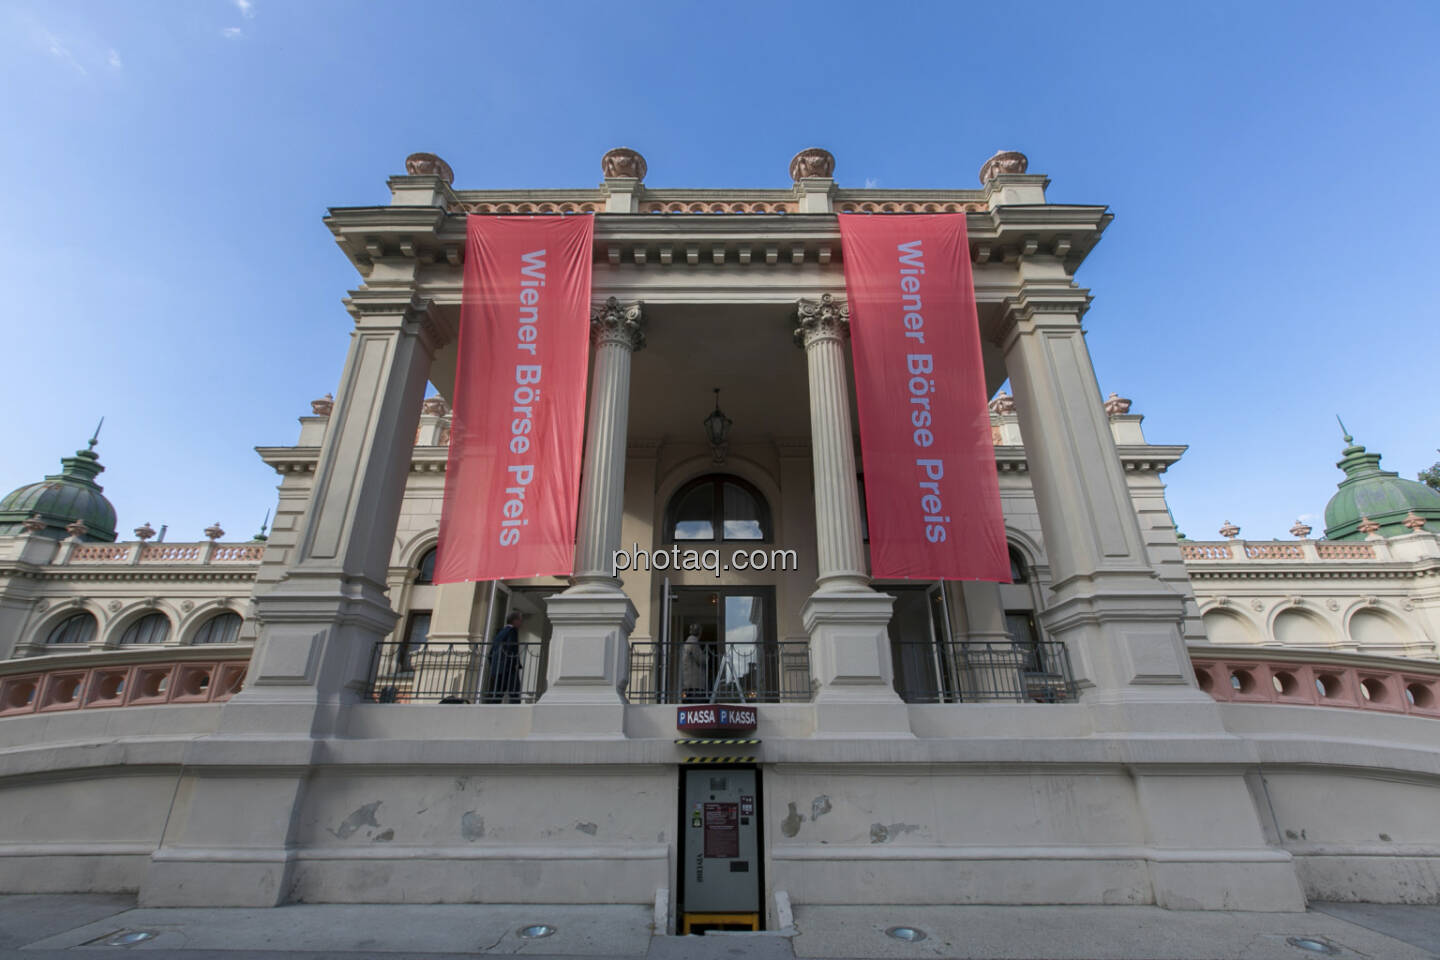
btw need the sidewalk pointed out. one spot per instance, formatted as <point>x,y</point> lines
<point>52,926</point>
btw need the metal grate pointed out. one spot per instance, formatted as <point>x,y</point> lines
<point>403,672</point>
<point>733,672</point>
<point>965,672</point>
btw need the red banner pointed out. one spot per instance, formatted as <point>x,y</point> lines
<point>512,483</point>
<point>930,484</point>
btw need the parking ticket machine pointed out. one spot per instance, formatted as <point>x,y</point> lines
<point>720,859</point>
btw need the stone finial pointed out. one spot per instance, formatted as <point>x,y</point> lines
<point>144,531</point>
<point>1229,531</point>
<point>1004,161</point>
<point>428,165</point>
<point>33,524</point>
<point>435,406</point>
<point>77,528</point>
<point>623,162</point>
<point>324,405</point>
<point>214,532</point>
<point>1413,521</point>
<point>1301,530</point>
<point>1115,405</point>
<point>812,162</point>
<point>1368,526</point>
<point>1002,404</point>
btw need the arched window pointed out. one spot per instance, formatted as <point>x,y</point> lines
<point>151,628</point>
<point>222,629</point>
<point>426,568</point>
<point>1019,573</point>
<point>717,507</point>
<point>77,628</point>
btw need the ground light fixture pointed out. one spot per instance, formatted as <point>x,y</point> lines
<point>126,938</point>
<point>1312,945</point>
<point>908,934</point>
<point>535,931</point>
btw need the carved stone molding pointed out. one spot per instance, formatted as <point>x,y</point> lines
<point>428,165</point>
<point>1301,530</point>
<point>1004,161</point>
<point>324,406</point>
<point>620,324</point>
<point>1368,526</point>
<point>623,162</point>
<point>823,319</point>
<point>33,523</point>
<point>1229,531</point>
<point>812,162</point>
<point>435,407</point>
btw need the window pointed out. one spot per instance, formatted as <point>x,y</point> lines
<point>77,628</point>
<point>151,628</point>
<point>417,631</point>
<point>426,568</point>
<point>717,508</point>
<point>222,629</point>
<point>1018,573</point>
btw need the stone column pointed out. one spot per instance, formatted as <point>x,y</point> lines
<point>1120,622</point>
<point>592,620</point>
<point>319,626</point>
<point>320,622</point>
<point>846,619</point>
<point>1122,625</point>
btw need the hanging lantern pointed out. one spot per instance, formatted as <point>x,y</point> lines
<point>717,430</point>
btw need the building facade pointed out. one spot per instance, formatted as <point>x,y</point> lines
<point>310,717</point>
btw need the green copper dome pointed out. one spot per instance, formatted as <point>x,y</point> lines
<point>62,498</point>
<point>1381,495</point>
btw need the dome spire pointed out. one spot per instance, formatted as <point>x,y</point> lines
<point>1343,432</point>
<point>95,437</point>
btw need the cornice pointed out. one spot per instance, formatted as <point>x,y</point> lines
<point>1303,570</point>
<point>1134,457</point>
<point>1006,233</point>
<point>234,572</point>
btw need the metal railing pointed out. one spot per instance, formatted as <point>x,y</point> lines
<point>748,672</point>
<point>963,671</point>
<point>455,673</point>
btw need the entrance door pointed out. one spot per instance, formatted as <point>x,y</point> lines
<point>722,645</point>
<point>720,855</point>
<point>920,645</point>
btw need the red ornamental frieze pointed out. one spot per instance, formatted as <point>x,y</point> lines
<point>895,206</point>
<point>543,206</point>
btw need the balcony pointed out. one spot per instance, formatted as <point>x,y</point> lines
<point>964,671</point>
<point>738,672</point>
<point>455,673</point>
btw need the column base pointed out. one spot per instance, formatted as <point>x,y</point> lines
<point>850,650</point>
<point>588,663</point>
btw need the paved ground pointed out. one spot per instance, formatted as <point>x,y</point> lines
<point>71,927</point>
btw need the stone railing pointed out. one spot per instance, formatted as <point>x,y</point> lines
<point>120,678</point>
<point>1314,550</point>
<point>136,552</point>
<point>1316,678</point>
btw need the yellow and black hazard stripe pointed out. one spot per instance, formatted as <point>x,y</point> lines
<point>715,742</point>
<point>691,760</point>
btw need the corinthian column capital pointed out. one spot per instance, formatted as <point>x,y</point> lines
<point>615,323</point>
<point>823,319</point>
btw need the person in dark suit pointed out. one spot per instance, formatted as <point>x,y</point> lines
<point>502,671</point>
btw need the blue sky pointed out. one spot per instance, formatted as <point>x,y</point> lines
<point>167,166</point>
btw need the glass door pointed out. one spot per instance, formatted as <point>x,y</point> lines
<point>722,646</point>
